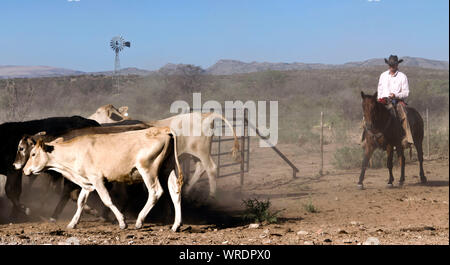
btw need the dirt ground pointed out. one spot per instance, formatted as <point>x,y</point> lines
<point>412,214</point>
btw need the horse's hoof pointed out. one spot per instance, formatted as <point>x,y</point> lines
<point>400,184</point>
<point>360,186</point>
<point>423,180</point>
<point>123,226</point>
<point>52,220</point>
<point>390,186</point>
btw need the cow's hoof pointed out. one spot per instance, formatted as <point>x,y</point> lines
<point>390,186</point>
<point>123,226</point>
<point>138,225</point>
<point>71,226</point>
<point>176,228</point>
<point>360,186</point>
<point>52,220</point>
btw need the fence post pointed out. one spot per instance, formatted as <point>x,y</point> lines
<point>242,150</point>
<point>428,136</point>
<point>321,144</point>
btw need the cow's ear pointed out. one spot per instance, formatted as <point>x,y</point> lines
<point>124,110</point>
<point>31,140</point>
<point>362,95</point>
<point>25,137</point>
<point>39,143</point>
<point>48,148</point>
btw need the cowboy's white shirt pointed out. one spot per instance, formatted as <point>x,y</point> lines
<point>397,84</point>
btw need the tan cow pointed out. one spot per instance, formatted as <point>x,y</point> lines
<point>197,146</point>
<point>109,114</point>
<point>87,160</point>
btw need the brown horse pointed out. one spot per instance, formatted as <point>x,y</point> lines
<point>383,130</point>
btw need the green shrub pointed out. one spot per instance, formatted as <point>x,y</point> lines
<point>259,211</point>
<point>309,207</point>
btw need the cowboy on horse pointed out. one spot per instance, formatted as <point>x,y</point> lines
<point>385,113</point>
<point>393,89</point>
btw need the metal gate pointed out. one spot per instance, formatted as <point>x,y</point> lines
<point>221,153</point>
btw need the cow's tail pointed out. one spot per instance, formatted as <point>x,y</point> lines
<point>235,148</point>
<point>180,172</point>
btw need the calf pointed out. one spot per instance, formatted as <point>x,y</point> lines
<point>90,159</point>
<point>27,143</point>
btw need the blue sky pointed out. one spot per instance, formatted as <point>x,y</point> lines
<point>76,34</point>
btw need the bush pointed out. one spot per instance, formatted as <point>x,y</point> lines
<point>309,207</point>
<point>259,211</point>
<point>348,157</point>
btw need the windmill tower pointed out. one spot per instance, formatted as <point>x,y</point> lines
<point>117,44</point>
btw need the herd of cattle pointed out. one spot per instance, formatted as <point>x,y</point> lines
<point>108,147</point>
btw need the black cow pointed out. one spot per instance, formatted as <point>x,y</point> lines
<point>12,132</point>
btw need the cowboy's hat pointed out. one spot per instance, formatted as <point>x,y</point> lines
<point>393,60</point>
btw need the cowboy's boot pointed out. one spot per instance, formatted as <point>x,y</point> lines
<point>407,139</point>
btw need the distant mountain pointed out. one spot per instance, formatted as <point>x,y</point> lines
<point>222,67</point>
<point>15,71</point>
<point>228,67</point>
<point>407,61</point>
<point>180,69</point>
<point>125,71</point>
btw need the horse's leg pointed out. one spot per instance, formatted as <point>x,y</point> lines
<point>368,150</point>
<point>418,145</point>
<point>390,156</point>
<point>401,159</point>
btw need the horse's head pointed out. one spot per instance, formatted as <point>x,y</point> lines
<point>369,104</point>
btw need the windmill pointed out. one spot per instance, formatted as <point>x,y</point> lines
<point>117,44</point>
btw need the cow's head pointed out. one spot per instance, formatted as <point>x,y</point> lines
<point>38,158</point>
<point>110,114</point>
<point>24,148</point>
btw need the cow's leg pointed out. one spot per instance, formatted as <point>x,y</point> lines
<point>82,199</point>
<point>199,169</point>
<point>211,170</point>
<point>106,199</point>
<point>419,149</point>
<point>13,189</point>
<point>175,194</point>
<point>390,164</point>
<point>401,159</point>
<point>31,180</point>
<point>368,150</point>
<point>154,193</point>
<point>65,196</point>
<point>47,190</point>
